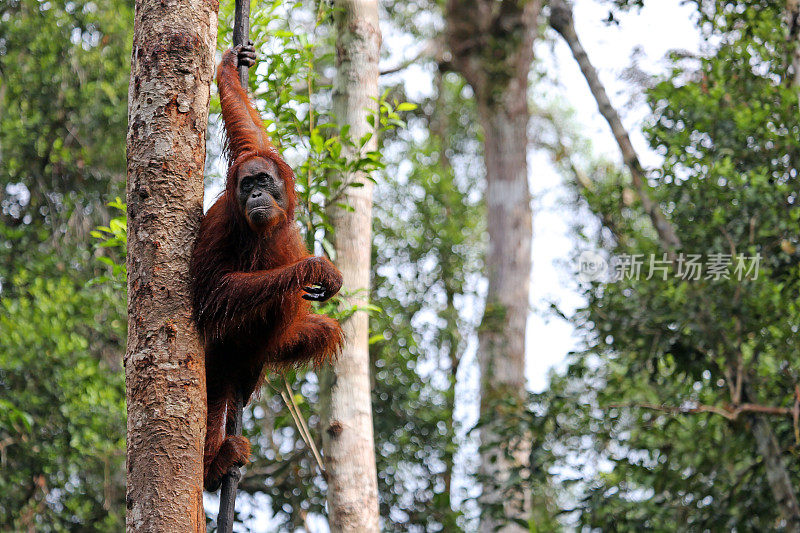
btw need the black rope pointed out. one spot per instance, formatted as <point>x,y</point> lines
<point>241,32</point>
<point>230,483</point>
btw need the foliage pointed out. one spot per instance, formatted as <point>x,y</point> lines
<point>418,342</point>
<point>621,421</point>
<point>427,265</point>
<point>64,82</point>
<point>114,236</point>
<point>62,407</point>
<point>63,85</point>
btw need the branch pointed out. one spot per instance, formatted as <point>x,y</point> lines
<point>731,413</point>
<point>433,49</point>
<point>561,20</point>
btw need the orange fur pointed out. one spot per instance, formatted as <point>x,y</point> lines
<point>248,287</point>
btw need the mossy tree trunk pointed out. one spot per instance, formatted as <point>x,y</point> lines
<point>491,45</point>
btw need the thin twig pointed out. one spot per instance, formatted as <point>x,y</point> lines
<point>310,439</point>
<point>302,427</point>
<point>729,413</point>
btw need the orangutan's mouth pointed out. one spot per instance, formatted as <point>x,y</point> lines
<point>262,211</point>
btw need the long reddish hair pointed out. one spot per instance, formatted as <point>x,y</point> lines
<point>250,287</point>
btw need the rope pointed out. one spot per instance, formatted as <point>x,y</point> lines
<point>230,483</point>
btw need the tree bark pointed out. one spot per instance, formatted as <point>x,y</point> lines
<point>347,441</point>
<point>778,479</point>
<point>491,44</point>
<point>561,20</point>
<point>171,71</point>
<point>793,25</point>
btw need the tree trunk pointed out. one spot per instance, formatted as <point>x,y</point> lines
<point>501,336</point>
<point>491,44</point>
<point>777,476</point>
<point>347,441</point>
<point>171,71</point>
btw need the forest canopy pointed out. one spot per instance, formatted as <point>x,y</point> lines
<point>675,398</point>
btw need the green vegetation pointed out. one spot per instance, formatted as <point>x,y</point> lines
<point>647,429</point>
<point>727,125</point>
<point>63,85</point>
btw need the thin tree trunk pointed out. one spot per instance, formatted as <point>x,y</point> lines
<point>171,71</point>
<point>793,24</point>
<point>778,479</point>
<point>561,20</point>
<point>492,46</point>
<point>347,439</point>
<point>439,128</point>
